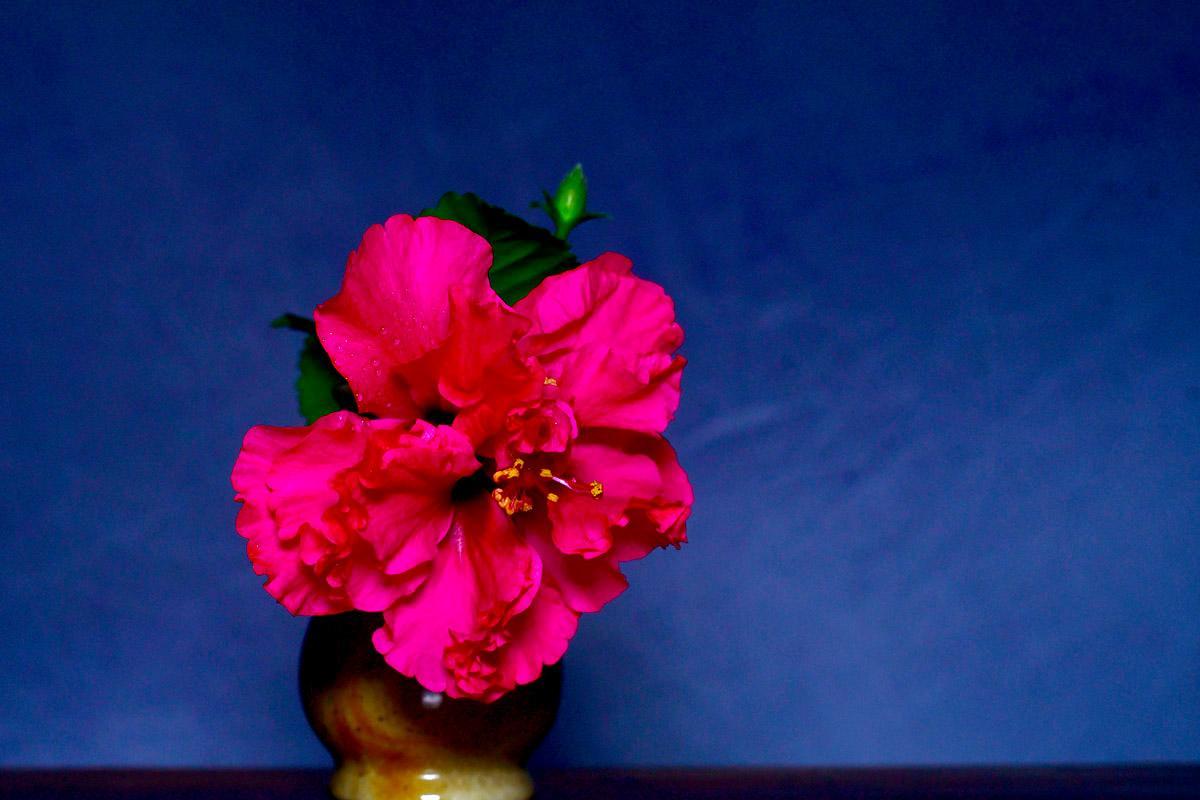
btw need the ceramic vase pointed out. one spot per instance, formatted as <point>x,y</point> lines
<point>393,740</point>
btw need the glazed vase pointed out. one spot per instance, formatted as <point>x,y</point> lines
<point>393,740</point>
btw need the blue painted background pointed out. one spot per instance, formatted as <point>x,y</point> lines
<point>939,268</point>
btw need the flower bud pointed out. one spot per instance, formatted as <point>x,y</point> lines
<point>570,201</point>
<point>568,207</point>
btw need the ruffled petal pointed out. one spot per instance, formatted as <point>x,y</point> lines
<point>609,388</point>
<point>394,307</point>
<point>407,489</point>
<point>285,479</point>
<point>481,373</point>
<point>545,427</point>
<point>537,638</point>
<point>348,512</point>
<point>479,359</point>
<point>370,588</point>
<point>585,584</point>
<point>606,338</point>
<point>643,502</point>
<point>483,576</point>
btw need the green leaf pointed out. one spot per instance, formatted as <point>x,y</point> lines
<point>319,387</point>
<point>295,322</point>
<point>522,254</point>
<point>318,383</point>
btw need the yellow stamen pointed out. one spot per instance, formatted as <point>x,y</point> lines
<point>511,505</point>
<point>508,473</point>
<point>550,382</point>
<point>514,498</point>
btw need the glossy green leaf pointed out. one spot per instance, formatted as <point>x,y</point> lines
<point>523,255</point>
<point>320,388</point>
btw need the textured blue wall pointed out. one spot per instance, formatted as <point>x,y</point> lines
<point>940,274</point>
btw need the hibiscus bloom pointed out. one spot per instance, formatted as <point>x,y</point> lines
<point>506,461</point>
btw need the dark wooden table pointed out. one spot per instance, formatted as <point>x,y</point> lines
<point>1061,783</point>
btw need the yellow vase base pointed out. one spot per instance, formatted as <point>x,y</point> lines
<point>484,779</point>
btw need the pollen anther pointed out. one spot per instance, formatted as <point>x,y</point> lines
<point>508,473</point>
<point>550,382</point>
<point>511,505</point>
<point>597,489</point>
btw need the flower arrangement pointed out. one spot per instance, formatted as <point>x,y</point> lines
<point>484,445</point>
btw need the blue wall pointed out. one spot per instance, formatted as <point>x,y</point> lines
<point>939,274</point>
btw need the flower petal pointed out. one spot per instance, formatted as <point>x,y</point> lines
<point>407,487</point>
<point>612,389</point>
<point>481,373</point>
<point>585,584</point>
<point>606,338</point>
<point>538,637</point>
<point>644,502</point>
<point>482,577</point>
<point>348,512</point>
<point>393,308</point>
<point>285,477</point>
<point>545,427</point>
<point>479,359</point>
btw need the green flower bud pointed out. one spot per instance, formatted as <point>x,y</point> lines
<point>568,207</point>
<point>570,201</point>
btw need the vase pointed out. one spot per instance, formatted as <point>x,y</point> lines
<point>391,739</point>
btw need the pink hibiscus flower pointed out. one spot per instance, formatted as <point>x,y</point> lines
<point>508,459</point>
